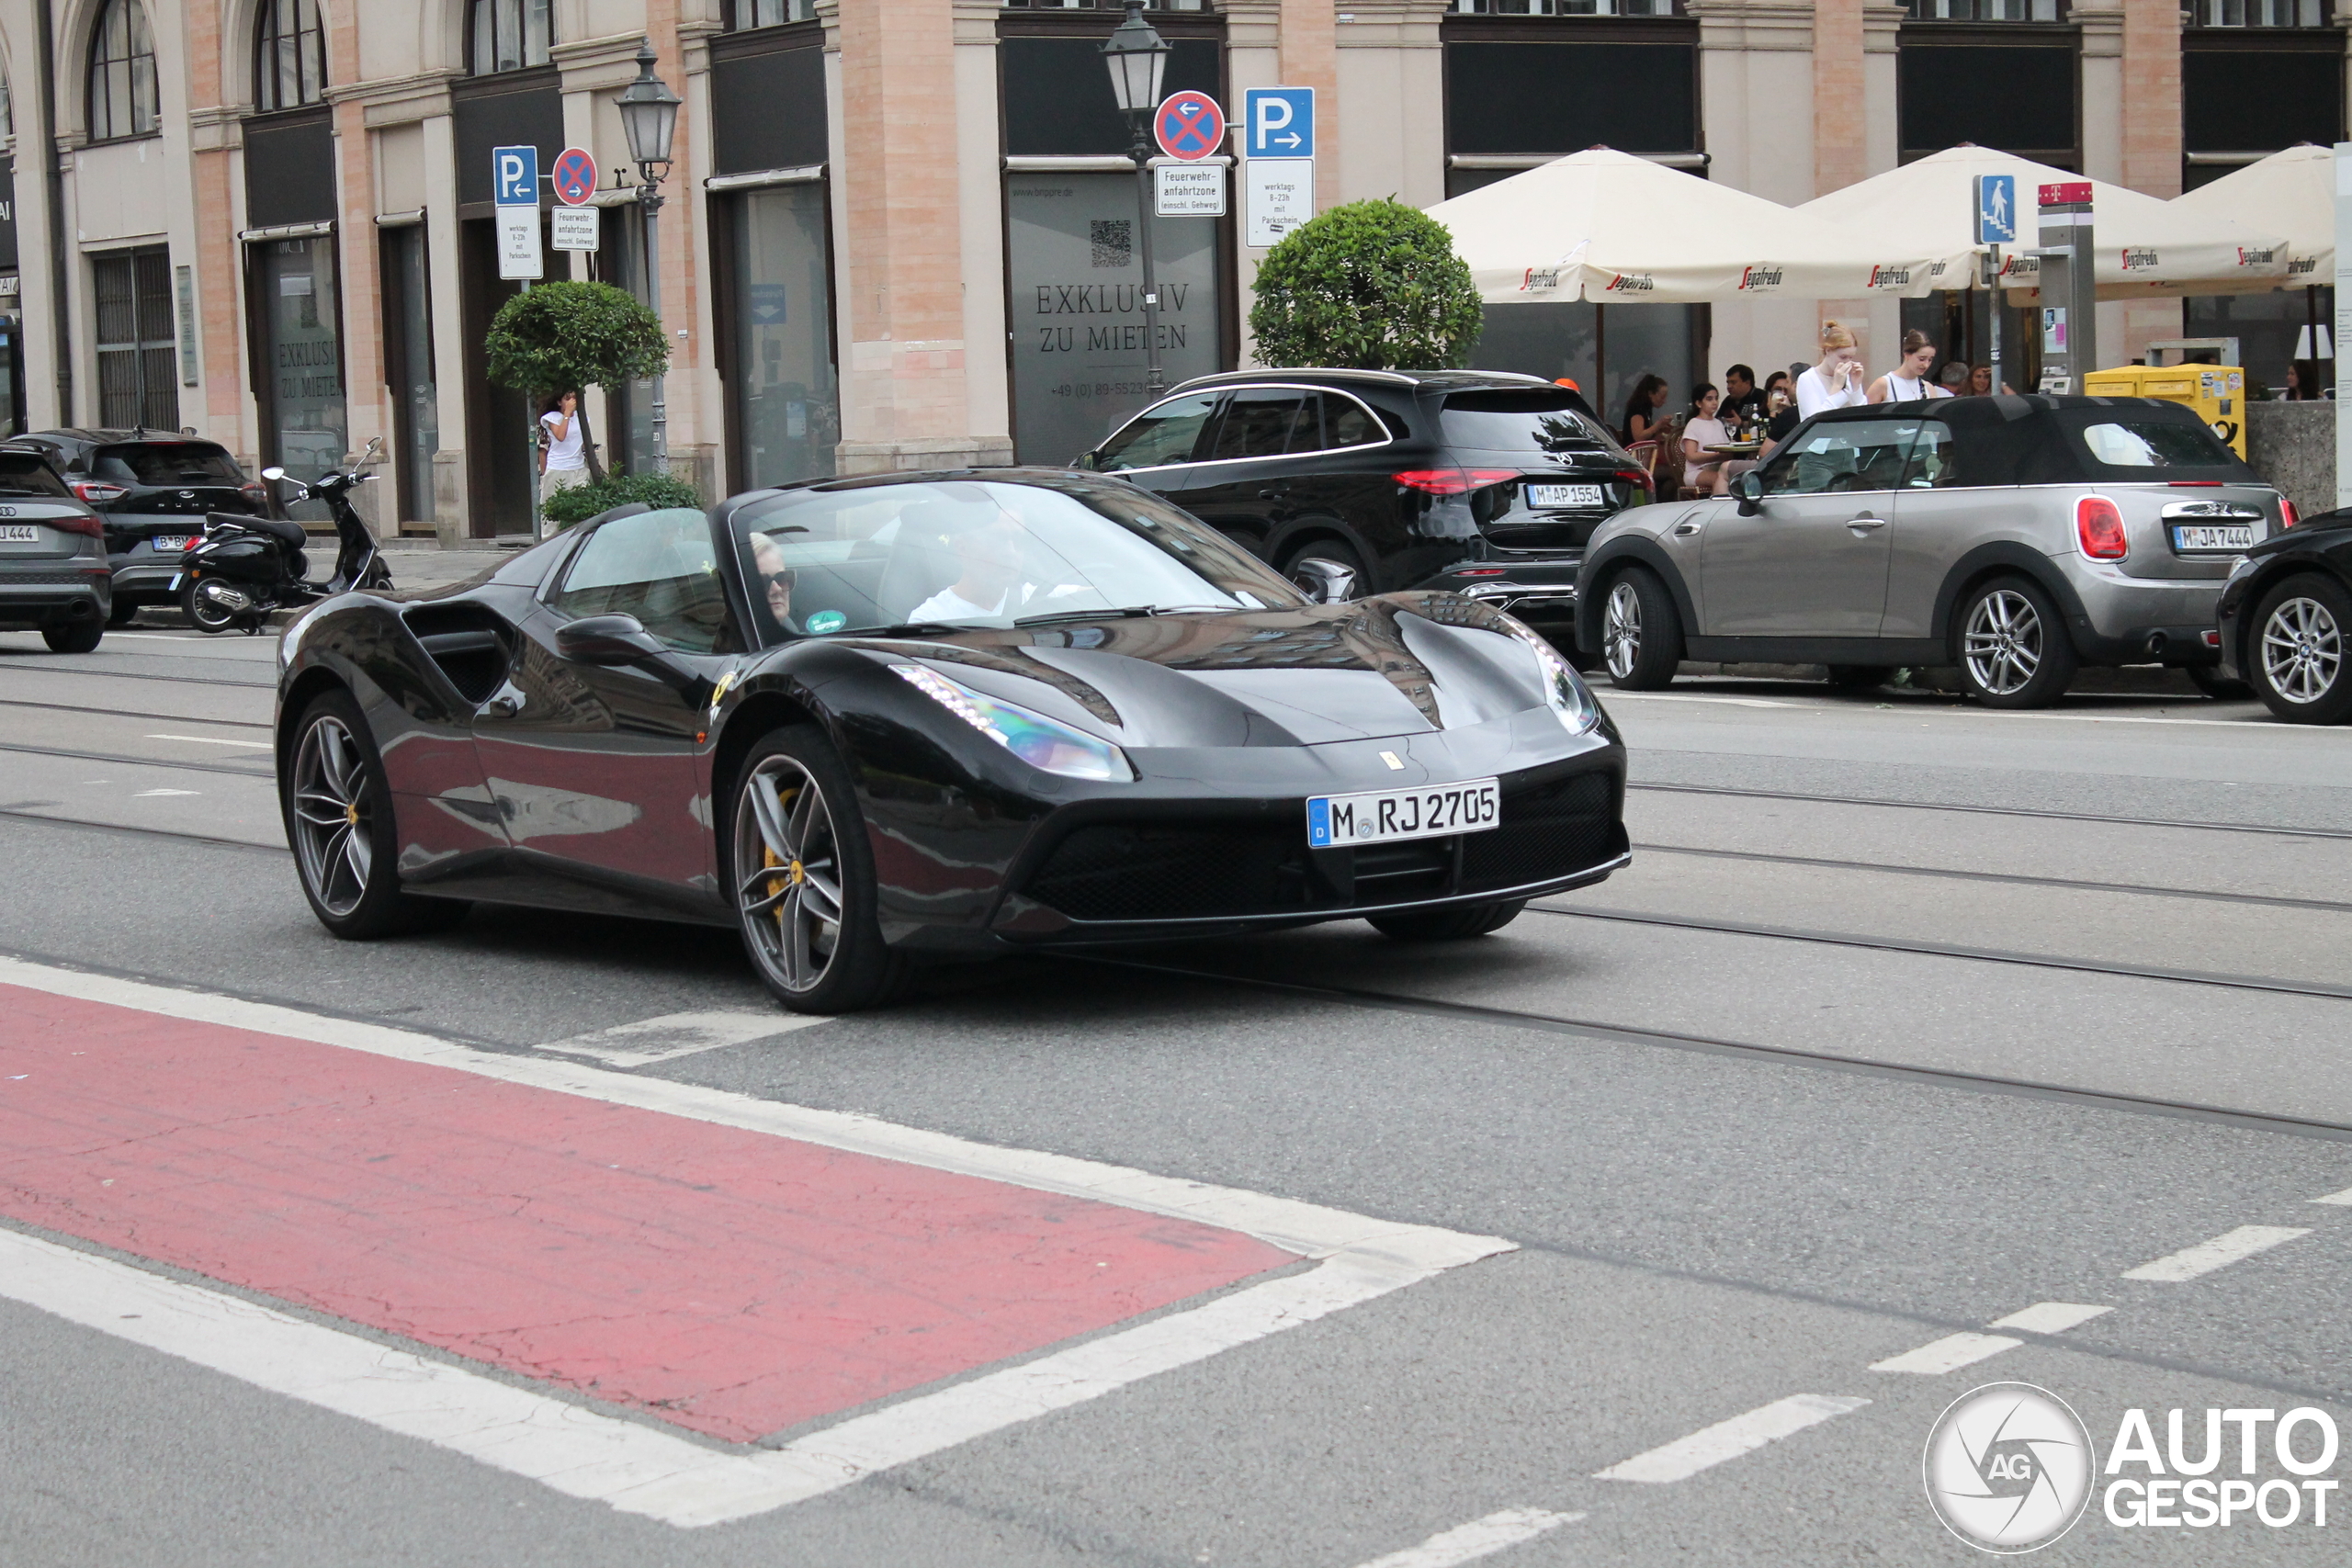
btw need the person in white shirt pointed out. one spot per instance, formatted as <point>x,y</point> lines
<point>1907,382</point>
<point>563,458</point>
<point>1837,381</point>
<point>1703,470</point>
<point>989,586</point>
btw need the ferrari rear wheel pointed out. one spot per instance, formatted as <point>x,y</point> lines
<point>338,809</point>
<point>1452,924</point>
<point>803,874</point>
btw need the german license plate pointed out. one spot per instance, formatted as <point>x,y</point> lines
<point>2213,536</point>
<point>19,533</point>
<point>162,542</point>
<point>1380,816</point>
<point>1563,495</point>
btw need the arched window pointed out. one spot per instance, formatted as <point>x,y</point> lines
<point>511,35</point>
<point>290,55</point>
<point>122,74</point>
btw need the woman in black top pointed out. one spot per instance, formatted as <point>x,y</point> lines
<point>1643,421</point>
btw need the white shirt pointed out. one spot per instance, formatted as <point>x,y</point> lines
<point>1911,388</point>
<point>1816,393</point>
<point>1706,432</point>
<point>949,606</point>
<point>565,453</point>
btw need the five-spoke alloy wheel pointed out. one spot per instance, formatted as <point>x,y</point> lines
<point>2297,657</point>
<point>803,876</point>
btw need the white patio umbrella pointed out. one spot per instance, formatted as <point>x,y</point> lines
<point>2292,193</point>
<point>2145,246</point>
<point>1605,225</point>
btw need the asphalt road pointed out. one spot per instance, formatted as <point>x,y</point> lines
<point>1907,1017</point>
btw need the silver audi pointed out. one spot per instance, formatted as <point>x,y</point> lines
<point>2017,539</point>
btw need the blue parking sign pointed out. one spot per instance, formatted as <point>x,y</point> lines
<point>514,174</point>
<point>1996,209</point>
<point>1278,123</point>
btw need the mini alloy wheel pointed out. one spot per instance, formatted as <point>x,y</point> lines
<point>1641,634</point>
<point>1621,629</point>
<point>2303,650</point>
<point>334,828</point>
<point>2014,651</point>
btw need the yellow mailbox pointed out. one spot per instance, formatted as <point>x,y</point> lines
<point>2216,391</point>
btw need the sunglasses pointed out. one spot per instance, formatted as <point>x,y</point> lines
<point>785,579</point>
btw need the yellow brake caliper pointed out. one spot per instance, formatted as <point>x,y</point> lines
<point>794,872</point>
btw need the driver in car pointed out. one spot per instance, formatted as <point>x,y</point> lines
<point>988,585</point>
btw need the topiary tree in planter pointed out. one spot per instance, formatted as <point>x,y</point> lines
<point>567,336</point>
<point>1368,286</point>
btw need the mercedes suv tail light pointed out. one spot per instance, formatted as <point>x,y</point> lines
<point>92,492</point>
<point>2099,525</point>
<point>1453,481</point>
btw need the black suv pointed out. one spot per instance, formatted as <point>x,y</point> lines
<point>152,487</point>
<point>1365,481</point>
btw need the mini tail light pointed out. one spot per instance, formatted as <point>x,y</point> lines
<point>2287,515</point>
<point>2099,527</point>
<point>1453,481</point>
<point>96,491</point>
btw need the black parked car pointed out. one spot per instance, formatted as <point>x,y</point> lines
<point>967,713</point>
<point>152,487</point>
<point>2286,616</point>
<point>1366,482</point>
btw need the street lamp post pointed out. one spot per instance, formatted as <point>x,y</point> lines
<point>1136,55</point>
<point>649,118</point>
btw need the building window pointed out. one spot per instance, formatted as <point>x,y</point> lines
<point>2256,14</point>
<point>742,15</point>
<point>297,311</point>
<point>138,350</point>
<point>122,74</point>
<point>290,55</point>
<point>1986,10</point>
<point>1567,7</point>
<point>1100,4</point>
<point>511,35</point>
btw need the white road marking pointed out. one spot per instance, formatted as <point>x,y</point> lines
<point>1358,1259</point>
<point>2344,1197</point>
<point>678,1035</point>
<point>1711,1445</point>
<point>1694,697</point>
<point>2219,1253</point>
<point>147,794</point>
<point>2050,1317</point>
<point>1479,1538</point>
<point>1948,1354</point>
<point>209,740</point>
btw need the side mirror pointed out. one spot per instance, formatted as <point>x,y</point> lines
<point>606,639</point>
<point>272,473</point>
<point>374,451</point>
<point>1749,490</point>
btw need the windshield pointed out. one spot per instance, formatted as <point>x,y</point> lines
<point>165,463</point>
<point>1553,422</point>
<point>21,473</point>
<point>982,553</point>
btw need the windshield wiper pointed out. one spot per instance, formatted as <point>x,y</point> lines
<point>1060,616</point>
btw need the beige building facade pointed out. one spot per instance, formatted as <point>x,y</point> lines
<point>902,233</point>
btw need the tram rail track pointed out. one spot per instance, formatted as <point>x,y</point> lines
<point>2028,811</point>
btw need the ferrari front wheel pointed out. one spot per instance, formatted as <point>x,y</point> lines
<point>803,874</point>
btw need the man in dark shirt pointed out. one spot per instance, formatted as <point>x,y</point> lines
<point>1741,393</point>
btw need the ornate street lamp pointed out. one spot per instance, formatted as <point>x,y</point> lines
<point>1137,56</point>
<point>649,118</point>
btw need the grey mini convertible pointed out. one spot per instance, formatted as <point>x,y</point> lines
<point>2017,538</point>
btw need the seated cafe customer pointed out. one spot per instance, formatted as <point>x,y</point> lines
<point>1703,470</point>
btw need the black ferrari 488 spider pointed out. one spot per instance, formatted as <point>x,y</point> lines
<point>972,713</point>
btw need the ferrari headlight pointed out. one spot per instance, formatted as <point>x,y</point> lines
<point>1045,744</point>
<point>1572,701</point>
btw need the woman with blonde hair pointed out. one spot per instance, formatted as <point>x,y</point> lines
<point>1837,381</point>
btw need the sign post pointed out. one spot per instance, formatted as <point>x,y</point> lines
<point>1278,171</point>
<point>1190,127</point>
<point>2069,288</point>
<point>2343,320</point>
<point>1996,225</point>
<point>574,224</point>
<point>514,182</point>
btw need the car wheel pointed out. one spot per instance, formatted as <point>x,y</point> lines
<point>338,807</point>
<point>122,614</point>
<point>2208,679</point>
<point>803,874</point>
<point>82,637</point>
<point>1860,677</point>
<point>1453,924</point>
<point>2297,660</point>
<point>1641,635</point>
<point>2014,651</point>
<point>1327,572</point>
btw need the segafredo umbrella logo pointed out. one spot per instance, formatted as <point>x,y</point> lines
<point>1890,277</point>
<point>2139,260</point>
<point>2257,258</point>
<point>1630,283</point>
<point>2008,1467</point>
<point>1539,278</point>
<point>1755,278</point>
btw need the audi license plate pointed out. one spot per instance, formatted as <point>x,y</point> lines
<point>1542,496</point>
<point>162,542</point>
<point>1379,816</point>
<point>2213,536</point>
<point>19,533</point>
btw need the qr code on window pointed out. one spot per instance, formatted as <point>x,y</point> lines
<point>1114,241</point>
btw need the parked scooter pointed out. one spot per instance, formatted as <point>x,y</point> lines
<point>244,567</point>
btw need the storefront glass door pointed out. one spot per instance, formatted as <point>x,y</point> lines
<point>788,405</point>
<point>294,285</point>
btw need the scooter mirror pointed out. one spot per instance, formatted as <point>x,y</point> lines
<point>273,473</point>
<point>374,451</point>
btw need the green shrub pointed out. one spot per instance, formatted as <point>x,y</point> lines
<point>582,502</point>
<point>566,337</point>
<point>1370,285</point>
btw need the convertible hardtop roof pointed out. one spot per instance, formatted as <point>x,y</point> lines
<point>2035,438</point>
